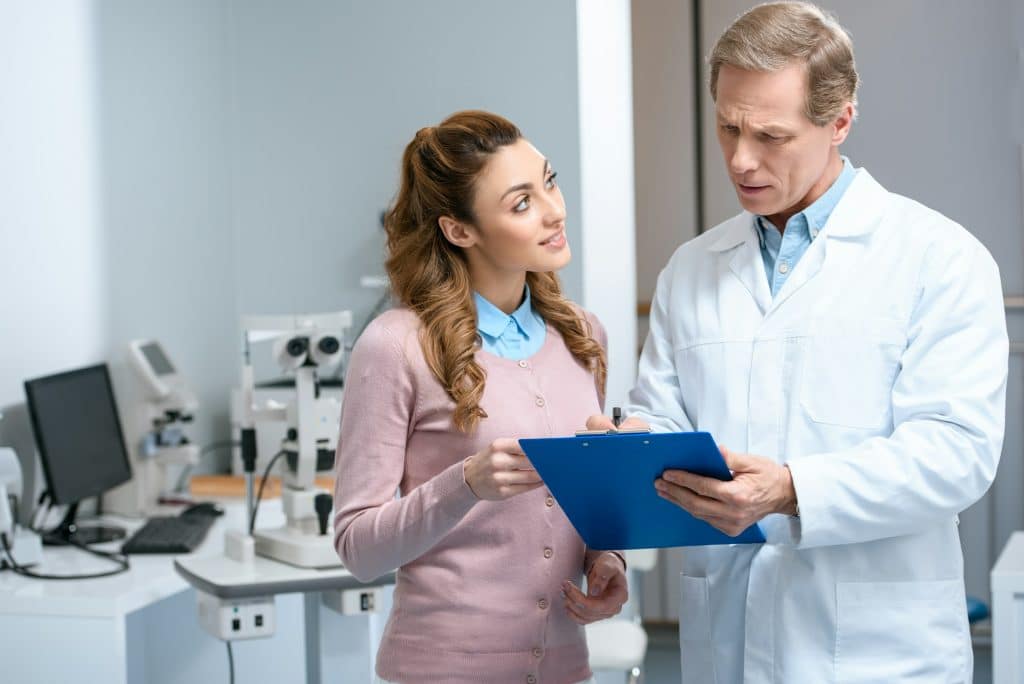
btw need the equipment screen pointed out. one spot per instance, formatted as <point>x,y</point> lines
<point>78,432</point>
<point>157,361</point>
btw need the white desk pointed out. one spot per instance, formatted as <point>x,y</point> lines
<point>142,625</point>
<point>1008,612</point>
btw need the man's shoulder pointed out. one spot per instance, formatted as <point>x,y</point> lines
<point>732,230</point>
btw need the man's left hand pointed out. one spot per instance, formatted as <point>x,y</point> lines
<point>608,590</point>
<point>759,487</point>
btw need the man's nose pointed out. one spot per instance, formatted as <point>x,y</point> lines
<point>744,158</point>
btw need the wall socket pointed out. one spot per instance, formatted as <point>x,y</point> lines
<point>230,619</point>
<point>354,601</point>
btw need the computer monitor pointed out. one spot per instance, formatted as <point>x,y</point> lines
<point>81,445</point>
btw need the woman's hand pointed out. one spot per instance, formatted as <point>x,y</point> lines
<point>608,589</point>
<point>500,471</point>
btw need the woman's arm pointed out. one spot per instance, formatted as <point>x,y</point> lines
<point>373,532</point>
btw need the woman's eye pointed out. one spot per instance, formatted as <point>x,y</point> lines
<point>522,205</point>
<point>550,182</point>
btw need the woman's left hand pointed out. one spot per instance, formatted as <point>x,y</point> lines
<point>608,589</point>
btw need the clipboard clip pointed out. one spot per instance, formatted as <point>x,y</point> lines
<point>614,431</point>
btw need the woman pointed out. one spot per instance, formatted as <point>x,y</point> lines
<point>483,350</point>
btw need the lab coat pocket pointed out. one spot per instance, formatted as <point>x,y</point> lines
<point>696,658</point>
<point>849,366</point>
<point>901,632</point>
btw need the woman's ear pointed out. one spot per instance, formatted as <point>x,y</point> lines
<point>457,232</point>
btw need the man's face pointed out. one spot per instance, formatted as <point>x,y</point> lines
<point>778,160</point>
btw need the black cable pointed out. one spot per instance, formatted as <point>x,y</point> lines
<point>231,663</point>
<point>209,448</point>
<point>259,495</point>
<point>118,558</point>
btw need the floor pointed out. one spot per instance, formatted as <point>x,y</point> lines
<point>662,663</point>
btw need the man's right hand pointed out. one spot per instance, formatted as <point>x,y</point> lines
<point>600,422</point>
<point>500,471</point>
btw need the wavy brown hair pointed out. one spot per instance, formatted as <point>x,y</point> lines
<point>430,275</point>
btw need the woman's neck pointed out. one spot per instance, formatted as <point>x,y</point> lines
<point>505,293</point>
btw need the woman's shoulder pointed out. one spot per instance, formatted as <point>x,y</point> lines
<point>394,331</point>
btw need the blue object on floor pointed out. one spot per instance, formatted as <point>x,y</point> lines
<point>976,610</point>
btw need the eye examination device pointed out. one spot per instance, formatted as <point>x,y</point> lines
<point>302,346</point>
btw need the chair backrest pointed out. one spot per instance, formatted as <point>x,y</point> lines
<point>641,559</point>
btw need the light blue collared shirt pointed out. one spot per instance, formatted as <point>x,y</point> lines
<point>782,251</point>
<point>516,336</point>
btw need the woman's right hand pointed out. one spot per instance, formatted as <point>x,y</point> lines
<point>500,471</point>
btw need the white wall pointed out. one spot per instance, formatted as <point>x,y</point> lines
<point>52,306</point>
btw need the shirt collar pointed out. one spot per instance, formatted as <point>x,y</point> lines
<point>817,214</point>
<point>492,321</point>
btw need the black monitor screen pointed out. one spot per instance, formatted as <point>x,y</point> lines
<point>78,432</point>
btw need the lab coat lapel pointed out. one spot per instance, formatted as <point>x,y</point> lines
<point>857,214</point>
<point>746,262</point>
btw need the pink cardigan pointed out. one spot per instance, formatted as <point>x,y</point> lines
<point>477,597</point>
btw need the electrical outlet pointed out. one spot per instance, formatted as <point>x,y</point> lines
<point>231,619</point>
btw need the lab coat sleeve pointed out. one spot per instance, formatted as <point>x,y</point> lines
<point>656,398</point>
<point>948,403</point>
<point>374,533</point>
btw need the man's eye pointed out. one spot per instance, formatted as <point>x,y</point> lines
<point>731,130</point>
<point>522,205</point>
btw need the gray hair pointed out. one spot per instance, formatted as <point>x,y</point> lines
<point>772,36</point>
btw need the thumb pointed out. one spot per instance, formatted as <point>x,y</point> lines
<point>736,461</point>
<point>599,422</point>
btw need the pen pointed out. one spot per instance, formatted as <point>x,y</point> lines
<point>616,416</point>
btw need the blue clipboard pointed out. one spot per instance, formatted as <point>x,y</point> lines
<point>605,485</point>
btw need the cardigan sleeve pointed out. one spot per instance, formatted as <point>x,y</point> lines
<point>375,533</point>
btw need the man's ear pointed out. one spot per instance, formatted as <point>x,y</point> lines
<point>457,232</point>
<point>842,124</point>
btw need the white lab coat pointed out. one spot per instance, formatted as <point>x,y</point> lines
<point>878,374</point>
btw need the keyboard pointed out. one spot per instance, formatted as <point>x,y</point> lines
<point>170,534</point>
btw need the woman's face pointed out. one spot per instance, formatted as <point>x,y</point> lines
<point>520,216</point>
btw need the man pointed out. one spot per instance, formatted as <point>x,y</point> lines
<point>847,348</point>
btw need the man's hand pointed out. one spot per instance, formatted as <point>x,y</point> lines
<point>599,422</point>
<point>606,583</point>
<point>759,487</point>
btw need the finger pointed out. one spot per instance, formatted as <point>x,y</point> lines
<point>600,422</point>
<point>584,616</point>
<point>514,462</point>
<point>704,486</point>
<point>517,477</point>
<point>508,445</point>
<point>600,572</point>
<point>695,504</point>
<point>508,491</point>
<point>576,595</point>
<point>632,423</point>
<point>736,461</point>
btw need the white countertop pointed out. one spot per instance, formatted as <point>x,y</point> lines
<point>150,579</point>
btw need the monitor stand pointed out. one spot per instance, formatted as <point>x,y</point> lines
<point>68,532</point>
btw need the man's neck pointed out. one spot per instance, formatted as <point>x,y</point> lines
<point>820,187</point>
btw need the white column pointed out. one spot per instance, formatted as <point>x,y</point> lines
<point>606,182</point>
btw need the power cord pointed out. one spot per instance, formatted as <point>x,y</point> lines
<point>263,483</point>
<point>120,559</point>
<point>231,663</point>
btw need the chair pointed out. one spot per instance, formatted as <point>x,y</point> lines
<point>620,643</point>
